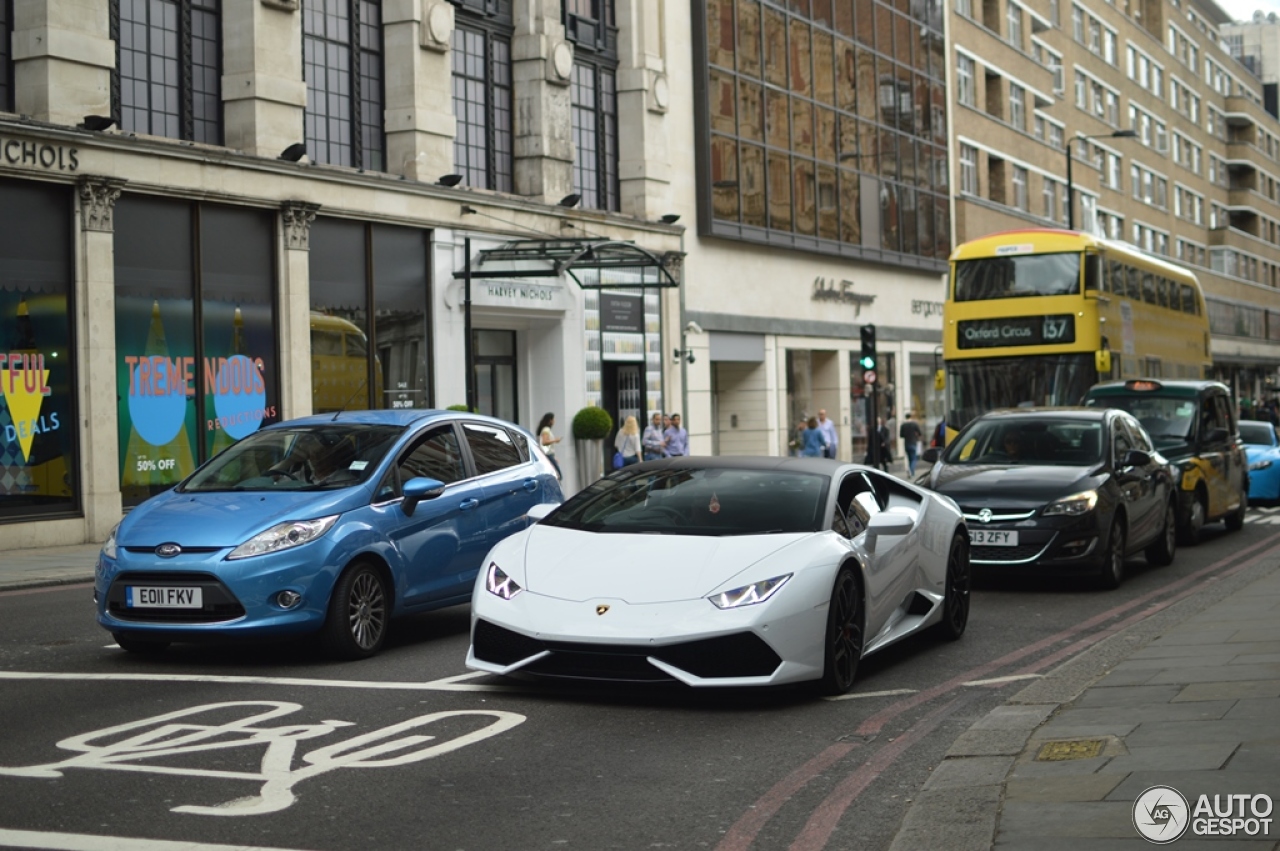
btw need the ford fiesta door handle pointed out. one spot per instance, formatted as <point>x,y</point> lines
<point>530,485</point>
<point>468,504</point>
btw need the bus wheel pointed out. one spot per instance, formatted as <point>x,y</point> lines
<point>1189,532</point>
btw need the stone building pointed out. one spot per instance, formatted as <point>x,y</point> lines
<point>1172,149</point>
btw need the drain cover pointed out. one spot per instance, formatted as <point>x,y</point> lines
<point>1070,749</point>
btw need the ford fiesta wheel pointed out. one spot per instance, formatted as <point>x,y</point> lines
<point>844,634</point>
<point>358,614</point>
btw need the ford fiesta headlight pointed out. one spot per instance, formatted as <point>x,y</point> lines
<point>499,584</point>
<point>109,548</point>
<point>749,595</point>
<point>284,536</point>
<point>1260,465</point>
<point>1074,505</point>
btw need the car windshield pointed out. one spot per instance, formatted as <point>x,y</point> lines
<point>1257,433</point>
<point>698,501</point>
<point>1028,442</point>
<point>1170,420</point>
<point>318,457</point>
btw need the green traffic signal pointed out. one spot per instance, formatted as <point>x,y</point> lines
<point>867,362</point>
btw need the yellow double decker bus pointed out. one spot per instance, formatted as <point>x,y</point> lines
<point>1035,317</point>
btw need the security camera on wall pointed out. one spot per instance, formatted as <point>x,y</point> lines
<point>692,328</point>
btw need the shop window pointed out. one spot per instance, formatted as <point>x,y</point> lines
<point>167,80</point>
<point>343,66</point>
<point>357,364</point>
<point>195,335</point>
<point>39,457</point>
<point>482,147</point>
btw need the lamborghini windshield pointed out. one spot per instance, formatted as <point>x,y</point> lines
<point>698,501</point>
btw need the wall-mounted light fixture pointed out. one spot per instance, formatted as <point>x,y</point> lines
<point>685,355</point>
<point>449,180</point>
<point>294,152</point>
<point>670,218</point>
<point>570,200</point>
<point>97,123</point>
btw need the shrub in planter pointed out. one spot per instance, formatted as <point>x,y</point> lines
<point>460,408</point>
<point>592,423</point>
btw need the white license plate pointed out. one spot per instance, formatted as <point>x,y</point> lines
<point>163,597</point>
<point>994,538</point>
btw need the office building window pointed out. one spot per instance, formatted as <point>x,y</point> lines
<point>594,96</point>
<point>343,67</point>
<point>969,169</point>
<point>168,73</point>
<point>1017,106</point>
<point>482,148</point>
<point>1019,187</point>
<point>964,81</point>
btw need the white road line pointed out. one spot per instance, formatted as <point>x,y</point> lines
<point>446,684</point>
<point>90,842</point>
<point>995,681</point>
<point>858,695</point>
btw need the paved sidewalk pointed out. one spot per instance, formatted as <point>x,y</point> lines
<point>48,566</point>
<point>1189,701</point>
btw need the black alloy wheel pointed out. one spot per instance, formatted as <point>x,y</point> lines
<point>844,634</point>
<point>955,602</point>
<point>1112,573</point>
<point>1189,533</point>
<point>356,627</point>
<point>141,646</point>
<point>1160,551</point>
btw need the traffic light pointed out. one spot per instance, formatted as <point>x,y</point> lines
<point>868,359</point>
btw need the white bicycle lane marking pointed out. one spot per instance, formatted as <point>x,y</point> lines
<point>131,747</point>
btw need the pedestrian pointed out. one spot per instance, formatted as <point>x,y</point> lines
<point>548,441</point>
<point>910,433</point>
<point>880,434</point>
<point>677,438</point>
<point>653,441</point>
<point>829,432</point>
<point>891,423</point>
<point>627,442</point>
<point>814,443</point>
<point>940,434</point>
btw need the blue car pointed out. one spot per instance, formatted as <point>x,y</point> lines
<point>328,525</point>
<point>1263,450</point>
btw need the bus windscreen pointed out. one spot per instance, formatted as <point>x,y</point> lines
<point>1017,276</point>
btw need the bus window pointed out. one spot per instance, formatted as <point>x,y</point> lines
<point>1135,288</point>
<point>1115,277</point>
<point>1162,292</point>
<point>1148,288</point>
<point>1189,304</point>
<point>1175,302</point>
<point>1092,272</point>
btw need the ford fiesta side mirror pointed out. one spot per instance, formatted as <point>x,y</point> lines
<point>890,523</point>
<point>417,489</point>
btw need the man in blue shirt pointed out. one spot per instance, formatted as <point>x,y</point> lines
<point>677,438</point>
<point>829,432</point>
<point>653,441</point>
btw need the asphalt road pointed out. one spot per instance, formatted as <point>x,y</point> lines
<point>277,747</point>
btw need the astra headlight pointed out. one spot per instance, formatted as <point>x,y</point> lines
<point>749,595</point>
<point>499,584</point>
<point>1260,465</point>
<point>1074,505</point>
<point>284,536</point>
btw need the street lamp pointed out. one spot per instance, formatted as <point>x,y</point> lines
<point>1071,187</point>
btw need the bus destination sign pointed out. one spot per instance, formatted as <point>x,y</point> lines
<point>1016,331</point>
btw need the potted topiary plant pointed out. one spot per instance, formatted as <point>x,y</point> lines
<point>590,427</point>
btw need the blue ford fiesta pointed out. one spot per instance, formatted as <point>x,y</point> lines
<point>330,525</point>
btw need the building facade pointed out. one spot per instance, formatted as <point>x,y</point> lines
<point>222,214</point>
<point>1171,148</point>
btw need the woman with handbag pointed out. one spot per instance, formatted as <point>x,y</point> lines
<point>627,442</point>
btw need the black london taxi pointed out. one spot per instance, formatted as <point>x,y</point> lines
<point>1194,424</point>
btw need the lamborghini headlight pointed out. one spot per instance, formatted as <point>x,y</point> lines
<point>749,595</point>
<point>1074,505</point>
<point>1260,465</point>
<point>499,584</point>
<point>284,536</point>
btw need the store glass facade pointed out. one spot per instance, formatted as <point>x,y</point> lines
<point>196,365</point>
<point>39,459</point>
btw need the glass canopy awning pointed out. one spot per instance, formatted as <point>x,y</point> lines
<point>592,263</point>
